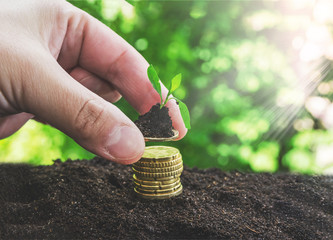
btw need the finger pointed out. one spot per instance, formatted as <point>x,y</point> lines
<point>97,125</point>
<point>95,84</point>
<point>39,120</point>
<point>12,123</point>
<point>110,57</point>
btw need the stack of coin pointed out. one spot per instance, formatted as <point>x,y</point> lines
<point>157,173</point>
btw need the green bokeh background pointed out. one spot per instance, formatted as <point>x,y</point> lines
<point>233,75</point>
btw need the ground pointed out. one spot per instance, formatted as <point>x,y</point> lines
<point>95,200</point>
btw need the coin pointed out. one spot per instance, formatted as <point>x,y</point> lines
<point>155,182</point>
<point>157,175</point>
<point>158,164</point>
<point>160,195</point>
<point>157,191</point>
<point>159,178</point>
<point>160,153</point>
<point>156,186</point>
<point>154,139</point>
<point>158,170</point>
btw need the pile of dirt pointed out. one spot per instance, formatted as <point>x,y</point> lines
<point>95,200</point>
<point>156,123</point>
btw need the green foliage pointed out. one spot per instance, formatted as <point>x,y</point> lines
<point>174,85</point>
<point>155,81</point>
<point>185,113</point>
<point>235,61</point>
<point>175,82</point>
<point>37,143</point>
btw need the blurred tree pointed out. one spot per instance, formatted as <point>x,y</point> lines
<point>238,60</point>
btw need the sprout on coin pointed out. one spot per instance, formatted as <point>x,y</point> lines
<point>174,84</point>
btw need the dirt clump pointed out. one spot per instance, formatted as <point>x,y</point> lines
<point>156,123</point>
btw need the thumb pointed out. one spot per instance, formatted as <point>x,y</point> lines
<point>52,95</point>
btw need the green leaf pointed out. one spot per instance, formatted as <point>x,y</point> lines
<point>185,114</point>
<point>154,79</point>
<point>175,82</point>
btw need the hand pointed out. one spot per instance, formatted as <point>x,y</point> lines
<point>62,66</point>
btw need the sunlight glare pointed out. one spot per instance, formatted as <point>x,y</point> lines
<point>324,156</point>
<point>316,105</point>
<point>327,118</point>
<point>322,12</point>
<point>290,97</point>
<point>311,52</point>
<point>303,124</point>
<point>324,88</point>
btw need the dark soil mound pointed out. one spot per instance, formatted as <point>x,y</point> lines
<point>156,123</point>
<point>95,200</point>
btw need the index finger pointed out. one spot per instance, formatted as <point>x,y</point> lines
<point>109,56</point>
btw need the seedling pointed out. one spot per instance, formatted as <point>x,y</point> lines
<point>174,84</point>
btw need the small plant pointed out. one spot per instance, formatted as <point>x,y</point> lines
<point>174,84</point>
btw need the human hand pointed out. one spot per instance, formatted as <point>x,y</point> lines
<point>62,66</point>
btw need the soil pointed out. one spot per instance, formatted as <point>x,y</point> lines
<point>95,200</point>
<point>156,123</point>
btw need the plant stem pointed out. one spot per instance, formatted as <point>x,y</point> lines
<point>166,100</point>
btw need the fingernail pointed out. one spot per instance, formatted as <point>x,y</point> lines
<point>125,143</point>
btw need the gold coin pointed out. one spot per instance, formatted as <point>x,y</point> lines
<point>160,153</point>
<point>156,191</point>
<point>159,164</point>
<point>155,183</point>
<point>140,174</point>
<point>153,139</point>
<point>159,178</point>
<point>158,186</point>
<point>160,195</point>
<point>158,170</point>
